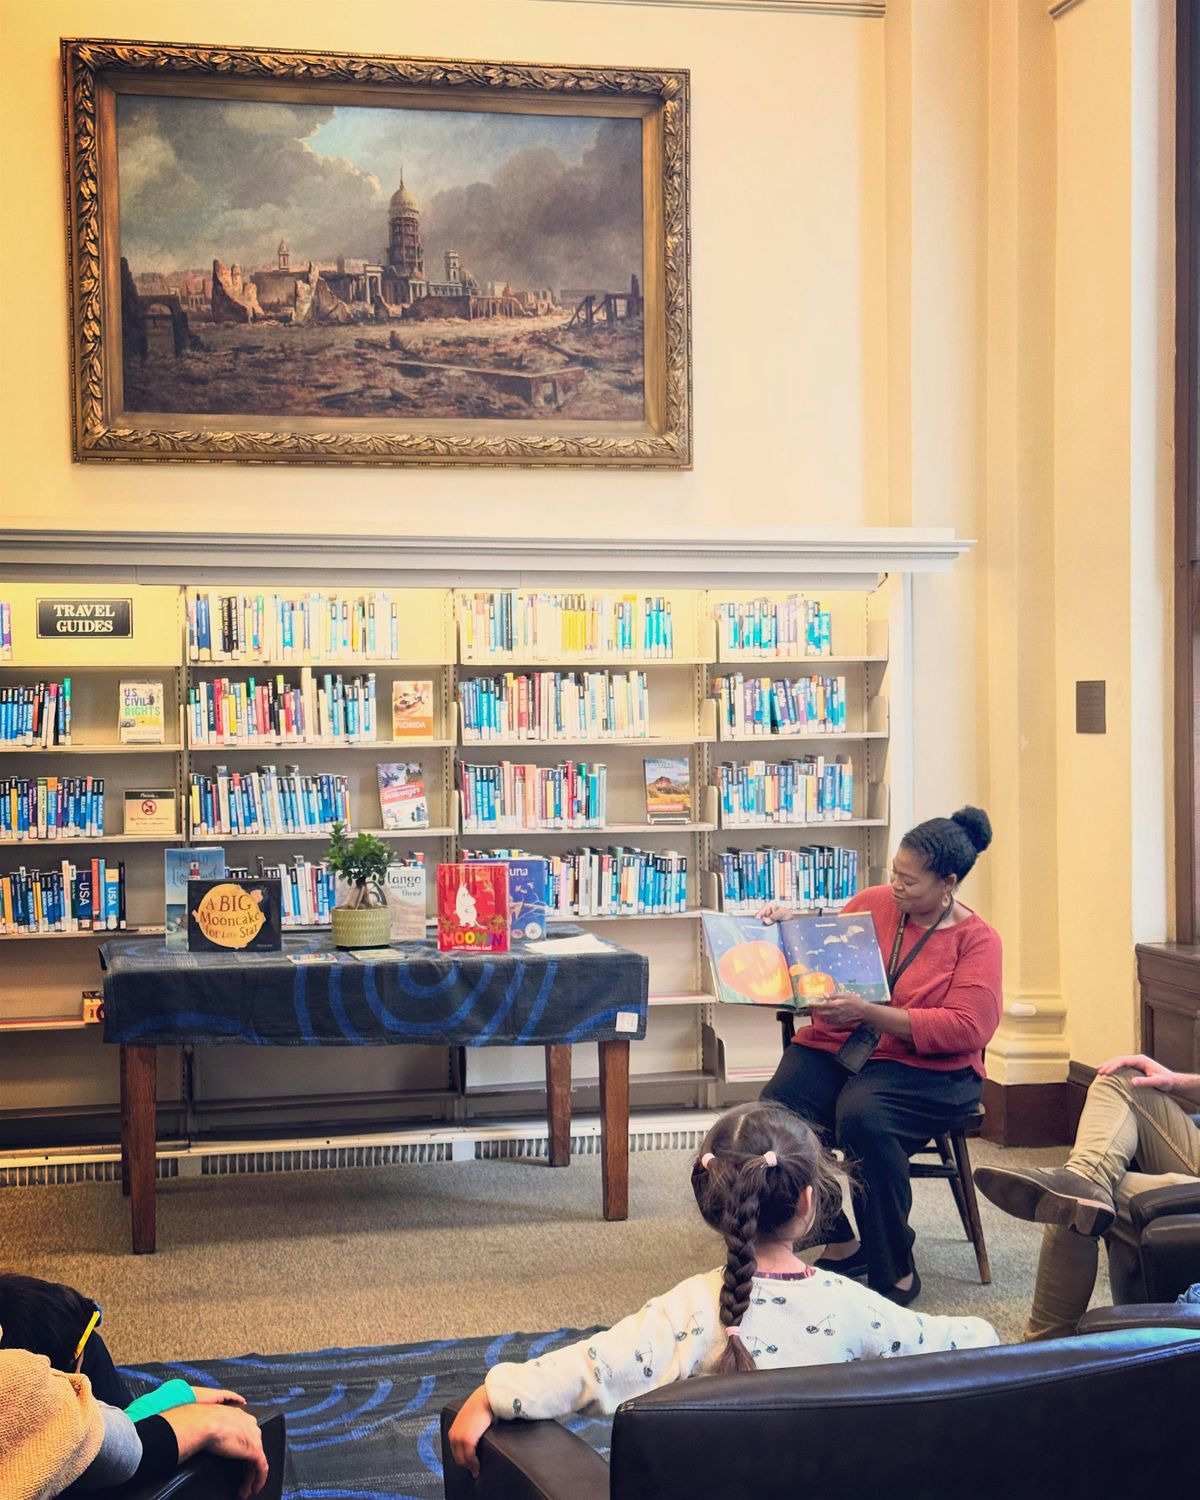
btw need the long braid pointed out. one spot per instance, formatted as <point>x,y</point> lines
<point>740,1230</point>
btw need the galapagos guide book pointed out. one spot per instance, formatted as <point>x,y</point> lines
<point>790,964</point>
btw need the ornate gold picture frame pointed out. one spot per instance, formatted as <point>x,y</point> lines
<point>300,257</point>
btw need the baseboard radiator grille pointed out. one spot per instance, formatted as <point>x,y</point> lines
<point>242,1160</point>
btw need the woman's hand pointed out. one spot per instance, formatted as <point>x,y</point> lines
<point>474,1418</point>
<point>226,1431</point>
<point>207,1395</point>
<point>775,911</point>
<point>844,1011</point>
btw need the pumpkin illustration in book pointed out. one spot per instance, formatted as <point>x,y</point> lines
<point>473,911</point>
<point>758,971</point>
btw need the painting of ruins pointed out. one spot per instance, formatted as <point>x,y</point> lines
<point>370,275</point>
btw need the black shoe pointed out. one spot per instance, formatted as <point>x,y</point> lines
<point>1048,1197</point>
<point>902,1296</point>
<point>850,1265</point>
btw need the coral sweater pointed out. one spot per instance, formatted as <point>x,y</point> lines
<point>952,990</point>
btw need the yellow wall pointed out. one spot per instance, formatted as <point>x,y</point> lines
<point>787,274</point>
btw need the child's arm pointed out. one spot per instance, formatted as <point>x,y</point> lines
<point>886,1330</point>
<point>666,1341</point>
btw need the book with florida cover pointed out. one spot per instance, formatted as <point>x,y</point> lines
<point>179,864</point>
<point>412,710</point>
<point>402,800</point>
<point>472,908</point>
<point>791,963</point>
<point>668,790</point>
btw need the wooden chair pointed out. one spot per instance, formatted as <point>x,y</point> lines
<point>953,1165</point>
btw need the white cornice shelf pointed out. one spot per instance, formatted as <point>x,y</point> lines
<point>760,557</point>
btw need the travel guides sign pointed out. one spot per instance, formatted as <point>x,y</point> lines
<point>111,619</point>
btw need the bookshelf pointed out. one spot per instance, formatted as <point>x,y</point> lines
<point>695,1052</point>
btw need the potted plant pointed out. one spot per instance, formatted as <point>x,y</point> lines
<point>361,862</point>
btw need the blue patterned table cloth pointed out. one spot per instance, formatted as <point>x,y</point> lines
<point>408,993</point>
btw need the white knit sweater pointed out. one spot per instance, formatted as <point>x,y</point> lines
<point>817,1318</point>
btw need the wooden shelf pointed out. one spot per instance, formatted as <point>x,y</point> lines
<point>617,743</point>
<point>697,998</point>
<point>740,660</point>
<point>45,1023</point>
<point>680,1075</point>
<point>90,749</point>
<point>691,915</point>
<point>757,825</point>
<point>340,664</point>
<point>570,663</point>
<point>497,835</point>
<point>791,739</point>
<point>101,934</point>
<point>308,746</point>
<point>436,832</point>
<point>74,841</point>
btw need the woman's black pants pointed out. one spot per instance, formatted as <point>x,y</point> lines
<point>878,1117</point>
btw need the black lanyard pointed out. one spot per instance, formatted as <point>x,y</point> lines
<point>895,966</point>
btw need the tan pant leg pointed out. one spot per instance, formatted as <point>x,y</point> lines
<point>1120,1122</point>
<point>1066,1277</point>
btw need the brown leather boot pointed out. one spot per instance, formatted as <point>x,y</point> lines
<point>1054,1196</point>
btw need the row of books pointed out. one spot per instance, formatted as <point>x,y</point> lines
<point>572,794</point>
<point>36,714</point>
<point>812,789</point>
<point>813,876</point>
<point>554,626</point>
<point>84,897</point>
<point>292,627</point>
<point>794,626</point>
<point>309,889</point>
<point>51,807</point>
<point>555,706</point>
<point>764,705</point>
<point>266,801</point>
<point>316,710</point>
<point>612,882</point>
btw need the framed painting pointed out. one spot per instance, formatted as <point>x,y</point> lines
<point>304,257</point>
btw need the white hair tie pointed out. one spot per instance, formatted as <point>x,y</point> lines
<point>706,1158</point>
<point>735,1328</point>
<point>770,1158</point>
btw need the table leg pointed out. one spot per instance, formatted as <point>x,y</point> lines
<point>124,1128</point>
<point>614,1128</point>
<point>558,1103</point>
<point>139,1087</point>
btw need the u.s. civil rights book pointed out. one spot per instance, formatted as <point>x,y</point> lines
<point>790,964</point>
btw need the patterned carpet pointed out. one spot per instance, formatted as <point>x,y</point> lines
<point>363,1424</point>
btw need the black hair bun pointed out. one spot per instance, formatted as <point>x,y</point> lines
<point>976,824</point>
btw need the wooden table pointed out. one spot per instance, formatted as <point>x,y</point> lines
<point>155,997</point>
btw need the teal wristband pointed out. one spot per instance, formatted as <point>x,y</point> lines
<point>162,1398</point>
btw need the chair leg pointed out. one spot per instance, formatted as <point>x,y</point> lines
<point>962,1161</point>
<point>942,1142</point>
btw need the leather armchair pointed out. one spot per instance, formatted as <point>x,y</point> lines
<point>207,1478</point>
<point>1091,1414</point>
<point>1155,1255</point>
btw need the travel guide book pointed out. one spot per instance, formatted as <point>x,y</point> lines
<point>141,718</point>
<point>402,801</point>
<point>412,710</point>
<point>205,864</point>
<point>472,908</point>
<point>668,790</point>
<point>790,964</point>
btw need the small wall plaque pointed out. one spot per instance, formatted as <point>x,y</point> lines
<point>1090,708</point>
<point>107,618</point>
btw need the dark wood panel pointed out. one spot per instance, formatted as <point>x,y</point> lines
<point>1169,976</point>
<point>1027,1114</point>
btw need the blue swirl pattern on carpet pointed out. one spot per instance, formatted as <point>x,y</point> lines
<point>363,1424</point>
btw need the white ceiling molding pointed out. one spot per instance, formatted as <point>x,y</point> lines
<point>873,9</point>
<point>751,557</point>
<point>1061,7</point>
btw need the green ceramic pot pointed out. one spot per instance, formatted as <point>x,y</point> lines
<point>361,926</point>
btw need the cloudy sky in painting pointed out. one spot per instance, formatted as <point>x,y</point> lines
<point>538,200</point>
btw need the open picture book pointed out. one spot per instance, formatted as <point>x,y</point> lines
<point>791,963</point>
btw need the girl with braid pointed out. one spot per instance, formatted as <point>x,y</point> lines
<point>763,1181</point>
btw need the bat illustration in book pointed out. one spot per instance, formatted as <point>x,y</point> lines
<point>846,936</point>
